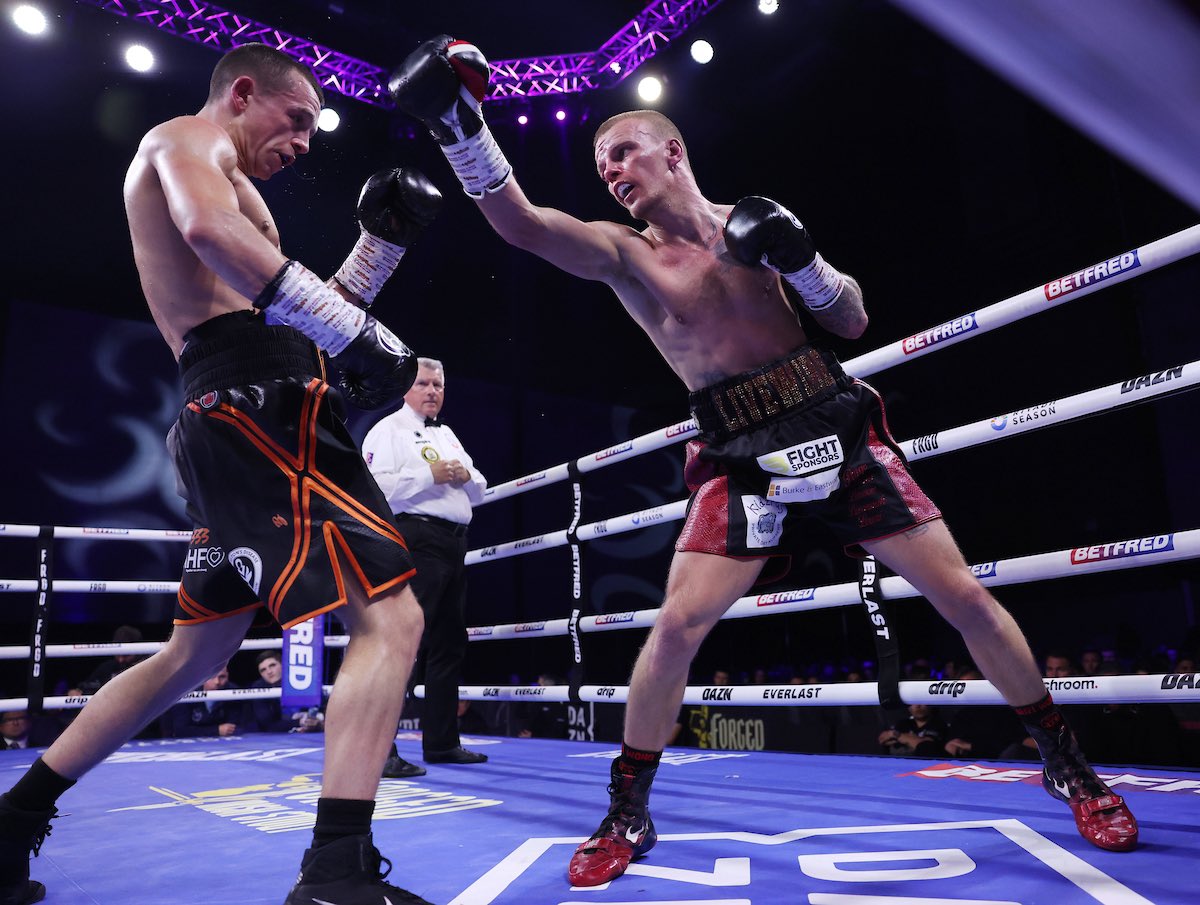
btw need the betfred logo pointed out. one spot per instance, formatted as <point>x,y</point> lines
<point>614,618</point>
<point>779,597</point>
<point>1089,276</point>
<point>1139,547</point>
<point>613,451</point>
<point>984,569</point>
<point>939,334</point>
<point>682,428</point>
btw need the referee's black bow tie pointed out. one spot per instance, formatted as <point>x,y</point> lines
<point>432,422</point>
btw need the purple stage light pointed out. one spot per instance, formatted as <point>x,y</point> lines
<point>661,22</point>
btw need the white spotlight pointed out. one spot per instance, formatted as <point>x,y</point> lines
<point>766,7</point>
<point>702,51</point>
<point>29,19</point>
<point>650,89</point>
<point>139,58</point>
<point>328,120</point>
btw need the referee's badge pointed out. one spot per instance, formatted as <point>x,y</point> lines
<point>429,454</point>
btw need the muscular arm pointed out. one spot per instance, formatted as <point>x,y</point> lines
<point>196,166</point>
<point>588,250</point>
<point>846,317</point>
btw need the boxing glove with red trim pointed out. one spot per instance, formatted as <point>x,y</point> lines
<point>443,83</point>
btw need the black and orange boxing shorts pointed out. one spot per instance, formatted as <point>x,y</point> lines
<point>286,513</point>
<point>794,441</point>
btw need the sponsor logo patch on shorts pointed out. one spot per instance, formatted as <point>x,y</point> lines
<point>764,521</point>
<point>804,458</point>
<point>248,564</point>
<point>805,490</point>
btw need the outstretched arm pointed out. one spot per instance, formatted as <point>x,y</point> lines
<point>442,83</point>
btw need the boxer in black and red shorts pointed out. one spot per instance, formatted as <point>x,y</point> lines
<point>785,433</point>
<point>795,439</point>
<point>284,506</point>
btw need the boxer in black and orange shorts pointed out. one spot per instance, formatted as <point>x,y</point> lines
<point>284,506</point>
<point>794,440</point>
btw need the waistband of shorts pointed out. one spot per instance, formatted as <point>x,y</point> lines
<point>240,348</point>
<point>745,401</point>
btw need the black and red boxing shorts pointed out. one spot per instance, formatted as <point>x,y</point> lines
<point>286,513</point>
<point>788,443</point>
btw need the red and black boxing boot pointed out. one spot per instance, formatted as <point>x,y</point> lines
<point>22,833</point>
<point>1101,816</point>
<point>627,832</point>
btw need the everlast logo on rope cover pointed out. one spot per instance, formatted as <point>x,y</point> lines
<point>791,693</point>
<point>1179,680</point>
<point>939,334</point>
<point>1097,273</point>
<point>1137,547</point>
<point>868,589</point>
<point>954,689</point>
<point>717,693</point>
<point>1149,380</point>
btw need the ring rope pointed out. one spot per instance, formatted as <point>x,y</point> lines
<point>1169,687</point>
<point>1081,283</point>
<point>1143,259</point>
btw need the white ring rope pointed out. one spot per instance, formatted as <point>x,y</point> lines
<point>1125,266</point>
<point>1160,548</point>
<point>1127,554</point>
<point>1170,687</point>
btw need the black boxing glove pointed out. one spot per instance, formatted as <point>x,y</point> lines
<point>377,368</point>
<point>394,207</point>
<point>762,231</point>
<point>443,83</point>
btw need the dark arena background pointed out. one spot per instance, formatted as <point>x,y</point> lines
<point>949,154</point>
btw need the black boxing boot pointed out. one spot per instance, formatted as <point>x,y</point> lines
<point>347,871</point>
<point>21,835</point>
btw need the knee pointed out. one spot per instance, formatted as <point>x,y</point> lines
<point>676,634</point>
<point>975,611</point>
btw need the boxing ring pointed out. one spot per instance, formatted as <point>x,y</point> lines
<point>190,820</point>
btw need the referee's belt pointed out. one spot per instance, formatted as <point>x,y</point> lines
<point>445,524</point>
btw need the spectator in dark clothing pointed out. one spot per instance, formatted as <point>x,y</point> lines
<point>981,732</point>
<point>471,720</point>
<point>203,719</point>
<point>114,665</point>
<point>545,719</point>
<point>20,730</point>
<point>270,715</point>
<point>920,734</point>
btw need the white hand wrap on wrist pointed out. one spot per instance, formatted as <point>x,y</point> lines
<point>818,284</point>
<point>479,163</point>
<point>303,301</point>
<point>369,266</point>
